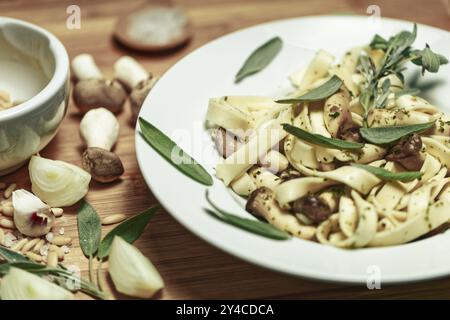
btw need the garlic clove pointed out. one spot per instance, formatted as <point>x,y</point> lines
<point>32,217</point>
<point>22,285</point>
<point>132,273</point>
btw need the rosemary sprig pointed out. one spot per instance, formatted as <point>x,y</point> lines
<point>397,52</point>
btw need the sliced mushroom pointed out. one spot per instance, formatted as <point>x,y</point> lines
<point>407,152</point>
<point>104,166</point>
<point>336,113</point>
<point>226,143</point>
<point>312,206</point>
<point>93,90</point>
<point>262,203</point>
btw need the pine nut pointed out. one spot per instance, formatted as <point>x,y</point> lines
<point>27,247</point>
<point>60,240</point>
<point>58,251</point>
<point>19,244</point>
<point>52,259</point>
<point>2,185</point>
<point>6,223</point>
<point>2,237</point>
<point>33,256</point>
<point>38,246</point>
<point>8,192</point>
<point>112,219</point>
<point>6,202</point>
<point>57,212</point>
<point>8,211</point>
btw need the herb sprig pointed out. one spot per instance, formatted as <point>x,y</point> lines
<point>397,52</point>
<point>388,175</point>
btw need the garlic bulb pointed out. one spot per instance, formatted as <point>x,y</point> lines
<point>22,285</point>
<point>132,273</point>
<point>58,183</point>
<point>32,217</point>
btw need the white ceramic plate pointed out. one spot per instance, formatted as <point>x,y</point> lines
<point>178,103</point>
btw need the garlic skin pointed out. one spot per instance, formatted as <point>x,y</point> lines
<point>58,183</point>
<point>32,217</point>
<point>22,285</point>
<point>132,273</point>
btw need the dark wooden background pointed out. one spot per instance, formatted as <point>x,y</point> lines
<point>192,269</point>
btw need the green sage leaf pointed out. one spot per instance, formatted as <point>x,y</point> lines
<point>385,135</point>
<point>260,58</point>
<point>388,175</point>
<point>12,256</point>
<point>254,226</point>
<point>322,92</point>
<point>173,153</point>
<point>89,229</point>
<point>320,140</point>
<point>130,230</point>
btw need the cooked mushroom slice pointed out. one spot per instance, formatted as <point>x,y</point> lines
<point>312,206</point>
<point>289,174</point>
<point>351,134</point>
<point>336,113</point>
<point>226,143</point>
<point>262,203</point>
<point>407,152</point>
<point>93,90</point>
<point>134,76</point>
<point>104,166</point>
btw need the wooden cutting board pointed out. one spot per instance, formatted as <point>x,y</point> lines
<point>191,268</point>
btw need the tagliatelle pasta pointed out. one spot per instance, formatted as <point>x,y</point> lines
<point>332,183</point>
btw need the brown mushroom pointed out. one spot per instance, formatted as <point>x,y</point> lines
<point>96,93</point>
<point>262,203</point>
<point>93,90</point>
<point>313,207</point>
<point>138,80</point>
<point>104,166</point>
<point>407,152</point>
<point>226,143</point>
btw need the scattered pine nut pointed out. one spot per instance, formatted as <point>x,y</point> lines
<point>43,251</point>
<point>60,240</point>
<point>61,231</point>
<point>2,236</point>
<point>6,223</point>
<point>112,219</point>
<point>52,258</point>
<point>38,246</point>
<point>7,211</point>
<point>30,245</point>
<point>58,251</point>
<point>6,202</point>
<point>9,240</point>
<point>49,236</point>
<point>8,192</point>
<point>57,212</point>
<point>19,244</point>
<point>33,256</point>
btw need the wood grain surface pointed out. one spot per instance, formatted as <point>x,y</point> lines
<point>191,268</point>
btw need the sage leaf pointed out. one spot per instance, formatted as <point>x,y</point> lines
<point>259,59</point>
<point>320,140</point>
<point>12,256</point>
<point>386,135</point>
<point>388,175</point>
<point>89,229</point>
<point>322,92</point>
<point>254,226</point>
<point>27,266</point>
<point>130,230</point>
<point>169,150</point>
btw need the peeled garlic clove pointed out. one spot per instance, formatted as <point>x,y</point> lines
<point>58,183</point>
<point>22,285</point>
<point>132,273</point>
<point>32,217</point>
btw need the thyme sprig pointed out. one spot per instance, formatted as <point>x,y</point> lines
<point>397,52</point>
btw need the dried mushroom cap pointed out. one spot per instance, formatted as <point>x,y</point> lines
<point>407,152</point>
<point>139,93</point>
<point>313,207</point>
<point>96,93</point>
<point>262,203</point>
<point>103,165</point>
